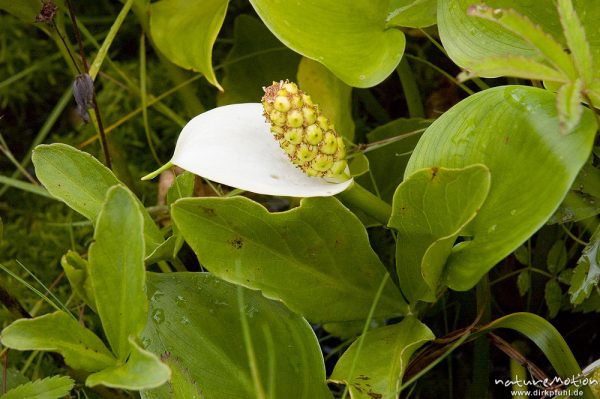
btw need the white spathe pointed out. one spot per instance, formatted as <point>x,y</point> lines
<point>233,145</point>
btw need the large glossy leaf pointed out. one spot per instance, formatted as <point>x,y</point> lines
<point>412,13</point>
<point>185,32</point>
<point>514,131</point>
<point>59,332</point>
<point>256,59</point>
<point>374,369</point>
<point>468,39</point>
<point>142,370</point>
<point>543,43</point>
<point>116,269</point>
<point>333,96</point>
<point>431,208</point>
<point>81,181</point>
<point>315,258</point>
<point>349,38</point>
<point>48,388</point>
<point>195,325</point>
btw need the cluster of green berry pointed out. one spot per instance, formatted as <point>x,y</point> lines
<point>307,137</point>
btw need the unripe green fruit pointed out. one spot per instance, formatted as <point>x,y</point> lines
<point>329,145</point>
<point>307,100</point>
<point>338,167</point>
<point>312,172</point>
<point>289,148</point>
<point>307,136</point>
<point>314,134</point>
<point>297,102</point>
<point>282,104</point>
<point>295,118</point>
<point>322,162</point>
<point>306,153</point>
<point>294,135</point>
<point>309,114</point>
<point>323,122</point>
<point>341,151</point>
<point>277,118</point>
<point>277,131</point>
<point>291,88</point>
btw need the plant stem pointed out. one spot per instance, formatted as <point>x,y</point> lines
<point>101,133</point>
<point>145,99</point>
<point>250,352</point>
<point>440,70</point>
<point>138,110</point>
<point>112,33</point>
<point>361,339</point>
<point>481,355</point>
<point>411,90</point>
<point>359,197</point>
<point>77,36</point>
<point>158,171</point>
<point>95,67</point>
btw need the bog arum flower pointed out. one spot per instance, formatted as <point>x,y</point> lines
<point>297,154</point>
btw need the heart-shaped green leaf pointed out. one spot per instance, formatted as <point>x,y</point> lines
<point>375,367</point>
<point>185,31</point>
<point>514,131</point>
<point>349,38</point>
<point>196,326</point>
<point>315,254</point>
<point>431,208</point>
